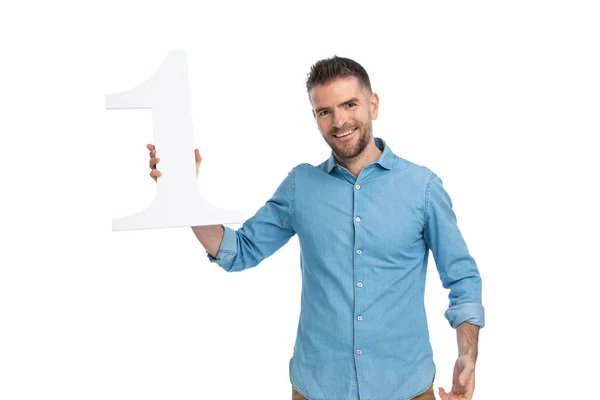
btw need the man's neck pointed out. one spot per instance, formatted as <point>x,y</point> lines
<point>370,154</point>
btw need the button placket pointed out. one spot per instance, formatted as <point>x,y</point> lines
<point>357,261</point>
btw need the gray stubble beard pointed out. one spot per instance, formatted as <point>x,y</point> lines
<point>363,142</point>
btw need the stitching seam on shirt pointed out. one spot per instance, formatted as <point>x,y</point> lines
<point>427,195</point>
<point>292,197</point>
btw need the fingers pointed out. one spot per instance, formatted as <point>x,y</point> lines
<point>155,160</point>
<point>443,394</point>
<point>450,396</point>
<point>154,174</point>
<point>152,149</point>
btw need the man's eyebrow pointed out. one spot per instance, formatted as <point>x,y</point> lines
<point>352,100</point>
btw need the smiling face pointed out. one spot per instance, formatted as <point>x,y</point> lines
<point>344,110</point>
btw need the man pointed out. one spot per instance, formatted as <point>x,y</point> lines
<point>366,220</point>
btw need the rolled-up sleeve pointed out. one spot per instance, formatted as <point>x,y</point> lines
<point>262,234</point>
<point>456,267</point>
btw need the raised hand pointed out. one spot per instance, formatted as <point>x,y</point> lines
<point>155,173</point>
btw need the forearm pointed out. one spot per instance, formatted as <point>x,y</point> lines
<point>210,236</point>
<point>467,336</point>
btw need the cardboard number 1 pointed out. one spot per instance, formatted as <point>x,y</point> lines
<point>178,201</point>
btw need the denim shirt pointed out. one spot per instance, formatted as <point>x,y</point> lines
<point>364,244</point>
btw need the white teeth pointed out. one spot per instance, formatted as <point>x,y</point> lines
<point>344,134</point>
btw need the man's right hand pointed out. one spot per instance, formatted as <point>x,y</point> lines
<point>155,173</point>
<point>210,236</point>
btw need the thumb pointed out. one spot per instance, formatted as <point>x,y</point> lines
<point>198,160</point>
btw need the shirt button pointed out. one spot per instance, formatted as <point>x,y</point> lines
<point>359,284</point>
<point>357,187</point>
<point>357,219</point>
<point>359,251</point>
<point>359,318</point>
<point>359,352</point>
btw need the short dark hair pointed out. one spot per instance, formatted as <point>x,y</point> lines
<point>329,69</point>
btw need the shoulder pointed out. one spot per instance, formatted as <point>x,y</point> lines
<point>416,173</point>
<point>306,169</point>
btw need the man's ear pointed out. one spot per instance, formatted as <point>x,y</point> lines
<point>374,104</point>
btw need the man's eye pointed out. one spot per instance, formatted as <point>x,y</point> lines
<point>351,105</point>
<point>323,113</point>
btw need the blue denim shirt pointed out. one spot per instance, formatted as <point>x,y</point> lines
<point>364,242</point>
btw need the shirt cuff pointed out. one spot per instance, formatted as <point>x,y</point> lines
<point>227,249</point>
<point>472,313</point>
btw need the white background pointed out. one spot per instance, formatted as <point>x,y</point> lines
<point>500,99</point>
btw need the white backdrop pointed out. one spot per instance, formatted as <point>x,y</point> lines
<point>501,100</point>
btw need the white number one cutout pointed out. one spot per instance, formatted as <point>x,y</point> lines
<point>178,202</point>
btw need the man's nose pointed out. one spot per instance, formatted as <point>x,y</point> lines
<point>339,119</point>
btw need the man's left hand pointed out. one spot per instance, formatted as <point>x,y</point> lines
<point>463,381</point>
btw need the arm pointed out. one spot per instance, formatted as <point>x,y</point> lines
<point>258,238</point>
<point>210,236</point>
<point>459,273</point>
<point>457,269</point>
<point>467,336</point>
<point>463,380</point>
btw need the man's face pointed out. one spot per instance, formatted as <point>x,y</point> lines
<point>344,110</point>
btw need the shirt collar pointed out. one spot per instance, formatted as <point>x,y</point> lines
<point>385,160</point>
